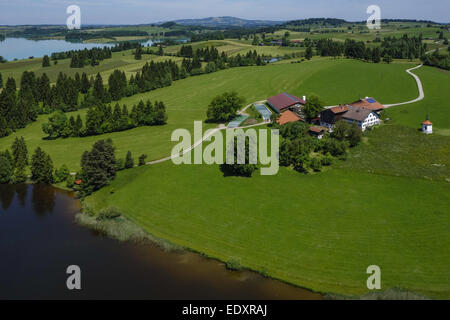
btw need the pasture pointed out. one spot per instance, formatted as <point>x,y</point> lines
<point>334,80</point>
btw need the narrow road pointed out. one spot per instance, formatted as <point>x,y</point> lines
<point>223,127</point>
<point>419,86</point>
<point>206,136</point>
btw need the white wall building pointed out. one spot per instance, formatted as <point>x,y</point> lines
<point>427,127</point>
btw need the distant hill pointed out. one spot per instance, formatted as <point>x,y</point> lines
<point>226,22</point>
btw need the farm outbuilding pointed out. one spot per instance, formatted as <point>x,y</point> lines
<point>284,101</point>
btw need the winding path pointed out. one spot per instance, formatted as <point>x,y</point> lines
<point>223,127</point>
<point>419,86</point>
<point>210,132</point>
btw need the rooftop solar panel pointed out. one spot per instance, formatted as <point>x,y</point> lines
<point>290,97</point>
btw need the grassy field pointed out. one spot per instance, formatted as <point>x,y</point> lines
<point>123,61</point>
<point>317,231</point>
<point>334,80</point>
<point>410,154</point>
<point>436,103</point>
<point>387,205</point>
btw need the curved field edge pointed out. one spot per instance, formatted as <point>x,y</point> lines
<point>436,103</point>
<point>334,80</point>
<point>319,231</point>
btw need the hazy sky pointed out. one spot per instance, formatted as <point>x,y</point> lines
<point>148,11</point>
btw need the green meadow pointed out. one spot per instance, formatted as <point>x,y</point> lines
<point>436,103</point>
<point>123,61</point>
<point>334,80</point>
<point>386,205</point>
<point>317,231</point>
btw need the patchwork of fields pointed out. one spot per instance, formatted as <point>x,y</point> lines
<point>388,204</point>
<point>334,80</point>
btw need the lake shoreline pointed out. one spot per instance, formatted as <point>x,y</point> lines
<point>111,228</point>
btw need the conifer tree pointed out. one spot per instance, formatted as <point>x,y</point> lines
<point>85,84</point>
<point>129,161</point>
<point>41,167</point>
<point>6,170</point>
<point>45,62</point>
<point>99,91</point>
<point>98,166</point>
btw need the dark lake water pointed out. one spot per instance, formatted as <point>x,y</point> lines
<point>20,48</point>
<point>39,240</point>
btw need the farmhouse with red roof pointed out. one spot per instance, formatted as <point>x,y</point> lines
<point>369,103</point>
<point>288,116</point>
<point>363,117</point>
<point>285,101</point>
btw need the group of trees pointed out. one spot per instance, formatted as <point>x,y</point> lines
<point>14,163</point>
<point>391,47</point>
<point>46,61</point>
<point>92,57</point>
<point>404,47</point>
<point>437,59</point>
<point>303,152</point>
<point>103,118</point>
<point>224,107</point>
<point>38,96</point>
<point>192,62</point>
<point>245,169</point>
<point>17,109</point>
<point>98,167</point>
<point>312,108</point>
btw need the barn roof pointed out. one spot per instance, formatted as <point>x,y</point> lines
<point>368,103</point>
<point>358,114</point>
<point>288,116</point>
<point>284,100</point>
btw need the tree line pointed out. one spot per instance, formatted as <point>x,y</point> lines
<point>105,119</point>
<point>391,47</point>
<point>38,96</point>
<point>437,59</point>
<point>92,57</point>
<point>14,164</point>
<point>98,166</point>
<point>17,109</point>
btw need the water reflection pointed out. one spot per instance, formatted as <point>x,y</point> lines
<point>22,190</point>
<point>6,196</point>
<point>43,199</point>
<point>39,239</point>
